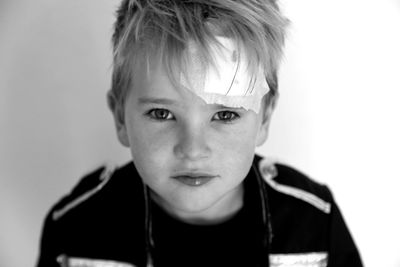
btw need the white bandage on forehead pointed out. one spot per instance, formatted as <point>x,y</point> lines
<point>230,82</point>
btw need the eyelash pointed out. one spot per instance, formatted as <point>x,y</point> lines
<point>152,114</point>
<point>168,115</point>
<point>233,116</point>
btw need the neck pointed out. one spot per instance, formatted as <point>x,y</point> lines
<point>222,210</point>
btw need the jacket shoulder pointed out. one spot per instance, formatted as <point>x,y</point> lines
<point>100,215</point>
<point>91,184</point>
<point>293,183</point>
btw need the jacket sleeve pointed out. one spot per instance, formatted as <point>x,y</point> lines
<point>342,249</point>
<point>48,248</point>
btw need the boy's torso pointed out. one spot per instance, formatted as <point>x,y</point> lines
<point>102,223</point>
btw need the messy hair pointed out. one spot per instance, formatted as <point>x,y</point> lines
<point>164,28</point>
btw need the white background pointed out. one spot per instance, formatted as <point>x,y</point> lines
<point>337,119</point>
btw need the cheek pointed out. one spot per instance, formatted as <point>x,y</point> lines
<point>239,138</point>
<point>236,149</point>
<point>236,158</point>
<point>237,143</point>
<point>148,142</point>
<point>147,138</point>
<point>150,148</point>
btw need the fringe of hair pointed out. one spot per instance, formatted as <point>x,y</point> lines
<point>161,29</point>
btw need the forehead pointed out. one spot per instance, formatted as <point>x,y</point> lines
<point>154,86</point>
<point>229,79</point>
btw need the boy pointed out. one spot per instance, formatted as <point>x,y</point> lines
<point>194,86</point>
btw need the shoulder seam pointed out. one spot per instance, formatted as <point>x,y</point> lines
<point>105,177</point>
<point>269,172</point>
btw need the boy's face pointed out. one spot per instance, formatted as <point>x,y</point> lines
<point>193,156</point>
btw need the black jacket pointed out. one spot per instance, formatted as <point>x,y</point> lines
<point>107,221</point>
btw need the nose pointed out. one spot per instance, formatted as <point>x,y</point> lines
<point>192,143</point>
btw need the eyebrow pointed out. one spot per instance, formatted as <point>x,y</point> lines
<point>220,106</point>
<point>167,101</point>
<point>154,100</point>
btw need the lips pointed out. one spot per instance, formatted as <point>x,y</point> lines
<point>194,179</point>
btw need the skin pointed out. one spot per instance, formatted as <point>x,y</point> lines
<point>171,131</point>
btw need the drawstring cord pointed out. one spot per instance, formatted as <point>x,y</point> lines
<point>266,216</point>
<point>148,226</point>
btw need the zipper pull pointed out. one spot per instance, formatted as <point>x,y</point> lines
<point>63,260</point>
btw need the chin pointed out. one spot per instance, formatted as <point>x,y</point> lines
<point>192,207</point>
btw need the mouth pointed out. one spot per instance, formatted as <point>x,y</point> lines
<point>194,179</point>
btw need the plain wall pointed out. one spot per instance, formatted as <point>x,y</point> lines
<point>337,118</point>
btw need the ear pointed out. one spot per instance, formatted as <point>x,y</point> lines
<point>118,114</point>
<point>267,107</point>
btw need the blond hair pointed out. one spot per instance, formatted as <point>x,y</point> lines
<point>145,28</point>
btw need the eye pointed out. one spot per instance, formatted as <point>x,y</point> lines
<point>160,114</point>
<point>226,116</point>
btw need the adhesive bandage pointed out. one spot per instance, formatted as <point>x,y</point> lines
<point>229,82</point>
